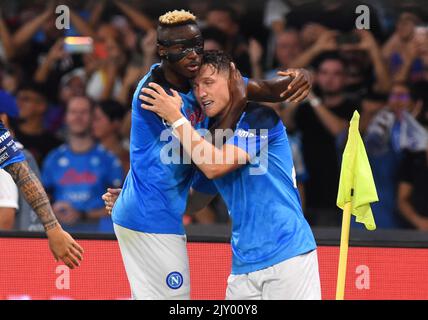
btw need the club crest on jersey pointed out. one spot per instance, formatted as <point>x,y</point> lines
<point>174,280</point>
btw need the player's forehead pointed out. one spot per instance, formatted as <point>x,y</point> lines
<point>186,32</point>
<point>207,71</point>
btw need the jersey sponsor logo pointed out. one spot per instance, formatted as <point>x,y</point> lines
<point>174,280</point>
<point>5,136</point>
<point>72,177</point>
<point>252,133</point>
<point>245,134</point>
<point>2,150</point>
<point>4,157</point>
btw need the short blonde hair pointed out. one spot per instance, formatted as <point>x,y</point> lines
<point>176,17</point>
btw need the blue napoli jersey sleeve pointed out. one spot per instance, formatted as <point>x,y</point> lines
<point>257,126</point>
<point>202,184</point>
<point>150,124</point>
<point>9,151</point>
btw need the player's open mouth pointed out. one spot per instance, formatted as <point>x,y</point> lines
<point>207,104</point>
<point>193,67</point>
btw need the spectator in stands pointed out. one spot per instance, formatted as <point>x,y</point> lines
<point>77,173</point>
<point>406,50</point>
<point>72,84</point>
<point>392,130</point>
<point>225,18</point>
<point>30,130</point>
<point>35,37</point>
<point>274,20</point>
<point>366,69</point>
<point>108,117</point>
<point>11,77</point>
<point>7,49</point>
<point>371,104</point>
<point>365,66</point>
<point>137,67</point>
<point>412,189</point>
<point>55,64</point>
<point>214,39</point>
<point>105,82</point>
<point>322,123</point>
<point>331,14</point>
<point>287,49</point>
<point>15,212</point>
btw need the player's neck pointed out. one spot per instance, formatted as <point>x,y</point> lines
<point>178,81</point>
<point>80,143</point>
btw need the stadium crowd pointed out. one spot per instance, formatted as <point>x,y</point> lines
<point>74,108</point>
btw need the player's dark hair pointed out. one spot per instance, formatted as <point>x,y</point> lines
<point>219,60</point>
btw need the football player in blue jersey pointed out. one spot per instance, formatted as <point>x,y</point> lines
<point>148,213</point>
<point>274,251</point>
<point>12,160</point>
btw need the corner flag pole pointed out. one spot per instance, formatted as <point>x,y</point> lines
<point>343,257</point>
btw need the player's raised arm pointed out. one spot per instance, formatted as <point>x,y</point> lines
<point>61,243</point>
<point>209,159</point>
<point>292,85</point>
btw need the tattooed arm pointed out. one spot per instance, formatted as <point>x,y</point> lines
<point>61,243</point>
<point>33,192</point>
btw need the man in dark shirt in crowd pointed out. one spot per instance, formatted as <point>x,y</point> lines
<point>323,124</point>
<point>30,131</point>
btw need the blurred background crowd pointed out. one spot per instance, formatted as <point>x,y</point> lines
<point>74,107</point>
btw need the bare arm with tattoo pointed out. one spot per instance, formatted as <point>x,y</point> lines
<point>61,243</point>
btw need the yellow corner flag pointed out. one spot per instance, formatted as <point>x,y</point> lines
<point>356,183</point>
<point>356,191</point>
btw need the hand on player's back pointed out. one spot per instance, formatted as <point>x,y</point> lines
<point>164,105</point>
